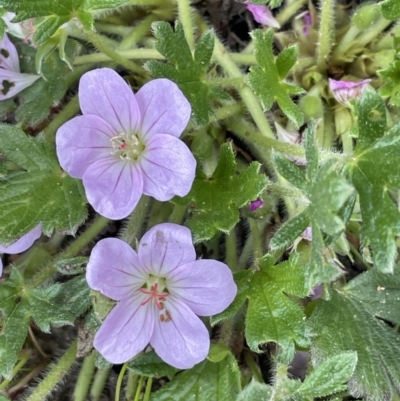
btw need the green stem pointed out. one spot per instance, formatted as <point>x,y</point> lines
<point>148,389</point>
<point>249,98</point>
<point>99,383</point>
<point>231,251</point>
<point>113,29</point>
<point>225,334</point>
<point>131,231</point>
<point>139,388</point>
<point>177,215</point>
<point>56,374</point>
<point>131,386</point>
<point>98,42</point>
<point>249,359</point>
<point>137,33</point>
<point>226,112</point>
<point>69,111</point>
<point>256,237</point>
<point>226,81</point>
<point>24,359</point>
<point>326,29</point>
<point>85,378</point>
<point>119,381</point>
<point>185,17</point>
<point>250,135</point>
<point>87,236</point>
<point>369,35</point>
<point>345,43</point>
<point>152,54</point>
<point>289,11</point>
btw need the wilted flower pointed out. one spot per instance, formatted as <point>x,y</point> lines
<point>11,78</point>
<point>126,145</point>
<point>344,91</point>
<point>294,138</point>
<point>308,22</point>
<point>263,15</point>
<point>256,204</point>
<point>21,245</point>
<point>160,290</point>
<point>23,30</point>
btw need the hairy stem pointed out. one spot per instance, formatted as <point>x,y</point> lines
<point>326,29</point>
<point>131,386</point>
<point>69,111</point>
<point>56,374</point>
<point>119,381</point>
<point>139,388</point>
<point>87,236</point>
<point>148,389</point>
<point>24,358</point>
<point>85,378</point>
<point>98,42</point>
<point>99,382</point>
<point>231,251</point>
<point>177,215</point>
<point>225,334</point>
<point>185,17</point>
<point>256,237</point>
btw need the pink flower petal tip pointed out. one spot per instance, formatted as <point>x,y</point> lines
<point>126,145</point>
<point>263,15</point>
<point>160,291</point>
<point>344,91</point>
<point>256,204</point>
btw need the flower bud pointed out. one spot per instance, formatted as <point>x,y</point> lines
<point>312,107</point>
<point>263,15</point>
<point>365,16</point>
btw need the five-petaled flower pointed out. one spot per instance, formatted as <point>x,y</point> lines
<point>126,145</point>
<point>12,81</point>
<point>21,245</point>
<point>263,15</point>
<point>344,91</point>
<point>160,290</point>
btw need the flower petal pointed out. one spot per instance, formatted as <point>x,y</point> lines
<point>163,107</point>
<point>113,187</point>
<point>344,91</point>
<point>263,15</point>
<point>1,267</point>
<point>183,341</point>
<point>82,141</point>
<point>165,247</point>
<point>126,330</point>
<point>104,93</point>
<point>114,270</point>
<point>24,243</point>
<point>168,168</point>
<point>12,83</point>
<point>8,55</point>
<point>206,286</point>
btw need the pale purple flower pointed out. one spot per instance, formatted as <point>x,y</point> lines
<point>160,290</point>
<point>22,244</point>
<point>263,15</point>
<point>291,137</point>
<point>126,145</point>
<point>344,91</point>
<point>308,23</point>
<point>256,204</point>
<point>12,81</point>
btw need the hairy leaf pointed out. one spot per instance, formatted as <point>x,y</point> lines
<point>215,200</point>
<point>266,80</point>
<point>41,192</point>
<point>206,381</point>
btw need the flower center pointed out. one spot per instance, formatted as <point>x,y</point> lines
<point>153,293</point>
<point>126,147</point>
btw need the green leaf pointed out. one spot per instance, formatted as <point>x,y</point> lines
<point>390,9</point>
<point>186,71</point>
<point>290,172</point>
<point>40,193</point>
<point>48,28</point>
<point>371,119</point>
<point>59,304</point>
<point>218,352</point>
<point>38,99</point>
<point>14,320</point>
<point>256,391</point>
<point>206,381</point>
<point>290,230</point>
<point>376,344</point>
<point>373,171</point>
<point>102,4</point>
<point>379,293</point>
<point>328,377</point>
<point>311,153</point>
<point>391,79</point>
<point>266,79</point>
<point>215,200</point>
<point>271,314</point>
<point>150,364</point>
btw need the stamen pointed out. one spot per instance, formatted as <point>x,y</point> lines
<point>154,294</point>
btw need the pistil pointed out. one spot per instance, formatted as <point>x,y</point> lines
<point>159,297</point>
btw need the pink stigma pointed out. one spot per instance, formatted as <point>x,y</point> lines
<point>158,296</point>
<point>123,146</point>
